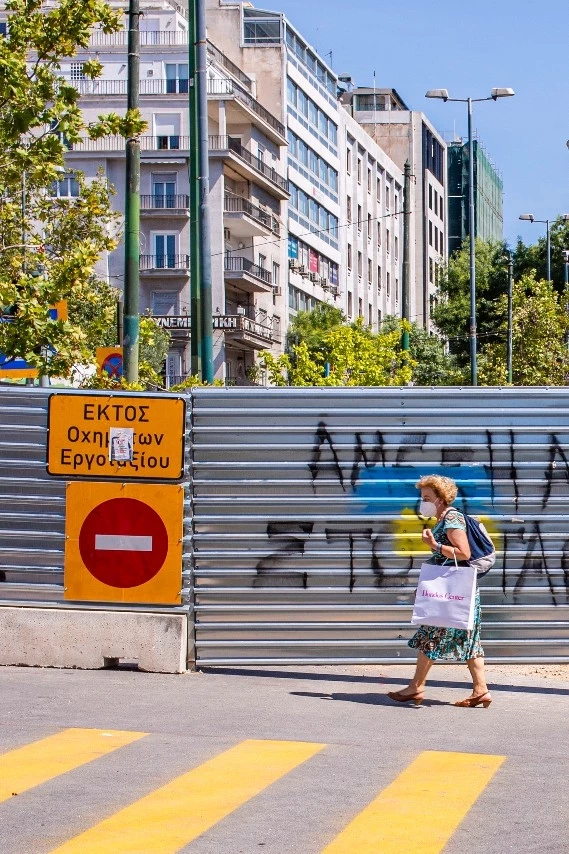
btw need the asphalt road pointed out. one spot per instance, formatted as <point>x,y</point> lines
<point>280,761</point>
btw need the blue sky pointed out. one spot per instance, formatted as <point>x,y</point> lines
<point>468,49</point>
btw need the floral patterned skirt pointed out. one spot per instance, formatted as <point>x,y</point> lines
<point>450,644</point>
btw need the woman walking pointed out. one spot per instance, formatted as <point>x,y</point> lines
<point>447,540</point>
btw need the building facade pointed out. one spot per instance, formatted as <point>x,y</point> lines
<point>407,135</point>
<point>488,195</point>
<point>248,189</point>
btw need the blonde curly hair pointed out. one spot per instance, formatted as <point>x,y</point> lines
<point>444,487</point>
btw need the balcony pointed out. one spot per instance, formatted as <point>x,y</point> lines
<point>148,86</point>
<point>233,69</point>
<point>243,331</point>
<point>116,144</point>
<point>165,264</point>
<point>245,219</point>
<point>247,276</point>
<point>165,205</point>
<point>148,38</point>
<point>224,88</point>
<point>249,166</point>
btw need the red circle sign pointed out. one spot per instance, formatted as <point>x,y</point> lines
<point>123,542</point>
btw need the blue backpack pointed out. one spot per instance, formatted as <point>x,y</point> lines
<point>480,544</point>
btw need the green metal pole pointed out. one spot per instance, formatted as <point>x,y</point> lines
<point>509,351</point>
<point>195,267</point>
<point>132,207</point>
<point>405,278</point>
<point>205,235</point>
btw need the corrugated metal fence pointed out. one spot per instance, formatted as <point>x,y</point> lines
<point>302,540</point>
<point>307,543</point>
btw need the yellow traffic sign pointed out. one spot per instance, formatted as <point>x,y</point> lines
<point>123,542</point>
<point>111,436</point>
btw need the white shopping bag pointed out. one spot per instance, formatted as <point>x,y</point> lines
<point>445,597</point>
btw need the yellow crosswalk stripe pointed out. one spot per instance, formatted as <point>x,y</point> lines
<point>25,767</point>
<point>421,809</point>
<point>171,817</point>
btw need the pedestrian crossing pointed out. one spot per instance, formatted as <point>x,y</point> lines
<point>440,787</point>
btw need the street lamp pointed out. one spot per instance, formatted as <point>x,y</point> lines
<point>530,218</point>
<point>443,95</point>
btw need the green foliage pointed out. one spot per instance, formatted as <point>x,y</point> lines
<point>431,365</point>
<point>329,352</point>
<point>49,247</point>
<point>539,333</point>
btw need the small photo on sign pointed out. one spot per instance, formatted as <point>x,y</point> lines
<point>121,440</point>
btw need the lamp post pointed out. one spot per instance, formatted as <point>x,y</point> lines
<point>510,317</point>
<point>443,95</point>
<point>530,218</point>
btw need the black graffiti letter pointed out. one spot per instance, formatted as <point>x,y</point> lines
<point>275,568</point>
<point>316,465</point>
<point>553,473</point>
<point>370,458</point>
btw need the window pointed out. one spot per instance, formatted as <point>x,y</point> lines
<point>176,77</point>
<point>66,188</point>
<point>387,196</point>
<point>349,209</point>
<point>302,102</point>
<point>396,247</point>
<point>165,251</point>
<point>430,233</point>
<point>388,283</point>
<point>441,208</point>
<point>167,130</point>
<point>370,270</point>
<point>262,261</point>
<point>396,290</point>
<point>276,274</point>
<point>379,282</point>
<point>163,192</point>
<point>349,161</point>
<point>378,190</point>
<point>262,31</point>
<point>436,239</point>
<point>369,226</point>
<point>369,180</point>
<point>77,72</point>
<point>359,218</point>
<point>360,307</point>
<point>164,303</point>
<point>378,235</point>
<point>291,92</point>
<point>360,264</point>
<point>313,113</point>
<point>3,28</point>
<point>387,240</point>
<point>430,197</point>
<point>349,256</point>
<point>379,319</point>
<point>370,314</point>
<point>350,305</point>
<point>436,202</point>
<point>430,270</point>
<point>359,170</point>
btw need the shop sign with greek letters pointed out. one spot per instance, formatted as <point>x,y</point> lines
<point>127,437</point>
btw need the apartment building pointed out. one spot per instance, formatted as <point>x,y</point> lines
<point>247,195</point>
<point>407,135</point>
<point>488,195</point>
<point>301,90</point>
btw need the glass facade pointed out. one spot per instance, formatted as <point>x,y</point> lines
<point>488,191</point>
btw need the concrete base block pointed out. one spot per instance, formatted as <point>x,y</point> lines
<point>53,637</point>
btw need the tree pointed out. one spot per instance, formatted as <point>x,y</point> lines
<point>49,246</point>
<point>539,335</point>
<point>431,364</point>
<point>326,351</point>
<point>451,314</point>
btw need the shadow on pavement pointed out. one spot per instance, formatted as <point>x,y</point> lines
<point>377,680</point>
<point>370,699</point>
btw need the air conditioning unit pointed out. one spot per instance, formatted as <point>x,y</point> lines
<point>303,271</point>
<point>293,264</point>
<point>324,282</point>
<point>226,234</point>
<point>314,277</point>
<point>277,291</point>
<point>334,289</point>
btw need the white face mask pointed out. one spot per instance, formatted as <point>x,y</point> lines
<point>428,509</point>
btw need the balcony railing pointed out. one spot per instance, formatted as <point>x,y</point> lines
<point>164,262</point>
<point>243,265</point>
<point>229,143</point>
<point>235,204</point>
<point>164,202</point>
<point>148,86</point>
<point>239,323</point>
<point>148,38</point>
<point>118,143</point>
<point>229,87</point>
<point>224,60</point>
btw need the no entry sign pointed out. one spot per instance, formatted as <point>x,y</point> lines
<point>123,542</point>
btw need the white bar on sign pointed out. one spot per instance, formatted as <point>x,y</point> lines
<point>119,543</point>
